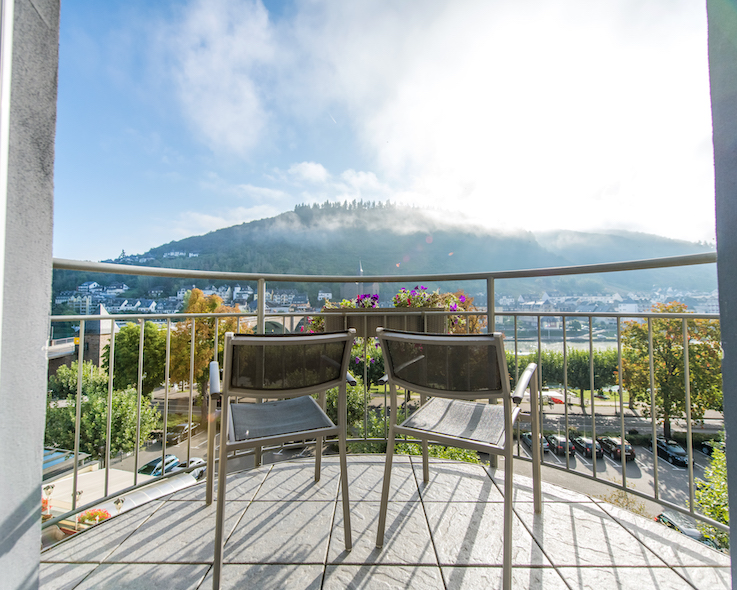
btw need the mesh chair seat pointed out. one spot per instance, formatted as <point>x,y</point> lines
<point>275,418</point>
<point>473,421</point>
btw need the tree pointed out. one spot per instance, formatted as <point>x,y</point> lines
<point>579,369</point>
<point>60,418</point>
<point>64,382</point>
<point>181,339</point>
<point>125,373</point>
<point>704,353</point>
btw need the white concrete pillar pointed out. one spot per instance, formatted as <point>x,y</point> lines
<point>723,78</point>
<point>29,38</point>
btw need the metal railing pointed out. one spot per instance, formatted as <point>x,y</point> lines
<point>490,315</point>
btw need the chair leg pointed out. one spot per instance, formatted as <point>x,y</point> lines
<point>217,564</point>
<point>425,462</point>
<point>342,447</point>
<point>318,457</point>
<point>508,515</point>
<point>385,488</point>
<point>210,470</point>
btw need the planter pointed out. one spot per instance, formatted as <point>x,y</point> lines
<point>365,321</point>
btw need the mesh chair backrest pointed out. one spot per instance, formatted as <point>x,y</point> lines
<point>284,365</point>
<point>449,366</point>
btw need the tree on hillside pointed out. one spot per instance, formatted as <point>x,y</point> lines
<point>704,353</point>
<point>125,368</point>
<point>60,418</point>
<point>181,339</point>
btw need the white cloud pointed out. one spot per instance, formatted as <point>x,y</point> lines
<point>217,51</point>
<point>309,172</point>
<point>193,223</point>
<point>540,115</point>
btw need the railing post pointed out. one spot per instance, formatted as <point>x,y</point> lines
<point>108,421</point>
<point>654,420</point>
<point>490,311</point>
<point>261,307</point>
<point>689,433</point>
<point>138,405</point>
<point>78,412</point>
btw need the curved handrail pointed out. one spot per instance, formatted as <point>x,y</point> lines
<point>648,263</point>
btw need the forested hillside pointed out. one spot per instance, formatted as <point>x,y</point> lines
<point>332,238</point>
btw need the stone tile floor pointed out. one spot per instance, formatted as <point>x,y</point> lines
<point>286,531</point>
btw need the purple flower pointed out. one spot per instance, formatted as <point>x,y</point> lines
<point>413,293</point>
<point>462,298</point>
<point>373,361</point>
<point>453,307</point>
<point>358,360</point>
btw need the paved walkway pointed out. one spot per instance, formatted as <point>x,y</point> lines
<point>286,532</point>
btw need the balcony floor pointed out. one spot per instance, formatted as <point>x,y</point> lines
<point>285,531</point>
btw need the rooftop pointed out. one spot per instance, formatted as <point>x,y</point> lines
<point>285,531</point>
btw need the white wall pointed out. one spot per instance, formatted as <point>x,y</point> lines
<point>26,203</point>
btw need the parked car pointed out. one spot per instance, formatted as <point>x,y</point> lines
<point>707,447</point>
<point>671,451</point>
<point>154,467</point>
<point>558,444</point>
<point>684,524</point>
<point>583,446</point>
<point>613,446</point>
<point>180,432</point>
<point>198,473</point>
<point>527,439</point>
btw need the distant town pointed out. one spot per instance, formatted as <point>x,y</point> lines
<point>87,298</point>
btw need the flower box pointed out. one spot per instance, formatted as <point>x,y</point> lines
<point>366,320</point>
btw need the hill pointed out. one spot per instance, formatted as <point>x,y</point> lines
<point>388,239</point>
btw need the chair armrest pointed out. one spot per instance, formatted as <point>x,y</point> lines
<point>523,383</point>
<point>383,380</point>
<point>214,380</point>
<point>351,380</point>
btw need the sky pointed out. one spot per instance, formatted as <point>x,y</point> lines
<point>176,118</point>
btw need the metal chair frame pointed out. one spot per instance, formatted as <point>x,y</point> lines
<point>228,437</point>
<point>511,412</point>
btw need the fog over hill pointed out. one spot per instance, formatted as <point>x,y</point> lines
<point>387,239</point>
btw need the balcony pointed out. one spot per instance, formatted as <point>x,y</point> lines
<point>286,532</point>
<point>447,534</point>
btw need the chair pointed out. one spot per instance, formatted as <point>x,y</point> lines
<point>287,369</point>
<point>453,369</point>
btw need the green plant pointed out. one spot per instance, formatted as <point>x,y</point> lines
<point>711,496</point>
<point>438,451</point>
<point>94,515</point>
<point>627,501</point>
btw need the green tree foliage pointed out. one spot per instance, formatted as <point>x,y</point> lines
<point>125,373</point>
<point>64,382</point>
<point>579,369</point>
<point>374,366</point>
<point>60,417</point>
<point>704,353</point>
<point>354,405</point>
<point>204,336</point>
<point>711,495</point>
<point>551,366</point>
